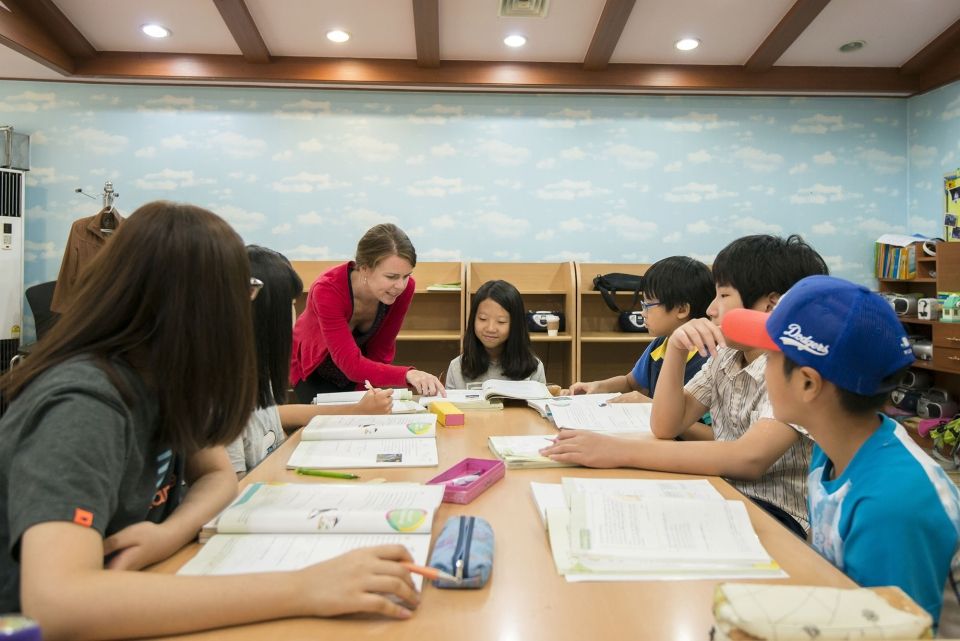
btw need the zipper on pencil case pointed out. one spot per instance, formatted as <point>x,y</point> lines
<point>461,553</point>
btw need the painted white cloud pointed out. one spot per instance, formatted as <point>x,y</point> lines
<point>700,156</point>
<point>170,179</point>
<point>280,156</point>
<point>825,228</point>
<point>169,103</point>
<point>98,142</point>
<point>311,218</point>
<point>573,153</point>
<point>443,151</point>
<point>566,118</point>
<point>820,194</point>
<point>699,227</point>
<point>105,99</point>
<point>922,156</point>
<point>569,190</point>
<point>370,149</point>
<point>695,122</point>
<point>502,225</point>
<point>303,109</point>
<point>146,152</point>
<point>443,221</point>
<point>673,237</point>
<point>508,183</point>
<point>438,254</point>
<point>821,124</point>
<point>306,182</point>
<point>177,141</point>
<point>696,192</point>
<point>629,227</point>
<point>673,167</point>
<point>437,187</point>
<point>892,192</point>
<point>363,218</point>
<point>566,255</point>
<point>767,190</point>
<point>242,176</point>
<point>883,162</point>
<point>547,163</point>
<point>32,101</point>
<point>631,156</point>
<point>798,169</point>
<point>307,252</point>
<point>504,153</point>
<point>415,160</point>
<point>436,114</point>
<point>311,145</point>
<point>826,158</point>
<point>572,224</point>
<point>751,225</point>
<point>282,228</point>
<point>237,145</point>
<point>878,226</point>
<point>546,234</point>
<point>239,218</point>
<point>951,111</point>
<point>34,251</point>
<point>757,159</point>
<point>47,176</point>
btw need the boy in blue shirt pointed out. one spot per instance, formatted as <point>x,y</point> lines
<point>881,510</point>
<point>675,290</point>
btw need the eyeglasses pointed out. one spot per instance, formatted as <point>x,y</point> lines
<point>255,286</point>
<point>645,306</point>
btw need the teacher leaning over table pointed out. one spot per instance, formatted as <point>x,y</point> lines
<point>347,333</point>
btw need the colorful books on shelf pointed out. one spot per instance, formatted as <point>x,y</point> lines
<point>331,442</point>
<point>603,531</point>
<point>896,256</point>
<point>520,452</point>
<point>288,526</point>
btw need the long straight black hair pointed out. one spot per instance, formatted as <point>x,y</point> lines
<point>517,358</point>
<point>273,322</point>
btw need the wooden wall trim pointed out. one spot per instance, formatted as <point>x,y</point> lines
<point>426,27</point>
<point>20,32</point>
<point>236,15</point>
<point>607,34</point>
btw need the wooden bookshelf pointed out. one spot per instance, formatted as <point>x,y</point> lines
<point>544,286</point>
<point>433,328</point>
<point>603,350</point>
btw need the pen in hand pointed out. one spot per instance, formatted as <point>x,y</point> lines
<point>430,573</point>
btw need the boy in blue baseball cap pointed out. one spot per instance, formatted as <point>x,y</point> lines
<point>881,510</point>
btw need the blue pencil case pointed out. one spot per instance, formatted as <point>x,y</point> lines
<point>464,549</point>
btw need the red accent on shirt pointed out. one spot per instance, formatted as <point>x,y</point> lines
<point>83,517</point>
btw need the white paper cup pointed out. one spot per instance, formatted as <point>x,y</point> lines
<point>553,325</point>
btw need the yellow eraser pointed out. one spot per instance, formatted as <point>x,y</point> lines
<point>448,414</point>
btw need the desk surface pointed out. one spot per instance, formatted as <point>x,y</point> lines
<point>526,599</point>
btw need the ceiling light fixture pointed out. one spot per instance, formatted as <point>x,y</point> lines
<point>155,30</point>
<point>515,41</point>
<point>687,44</point>
<point>853,45</point>
<point>338,35</point>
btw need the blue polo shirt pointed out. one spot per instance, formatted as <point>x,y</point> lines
<point>647,370</point>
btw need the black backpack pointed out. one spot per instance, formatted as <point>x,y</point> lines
<point>609,284</point>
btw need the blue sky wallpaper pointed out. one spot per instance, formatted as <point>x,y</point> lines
<point>484,176</point>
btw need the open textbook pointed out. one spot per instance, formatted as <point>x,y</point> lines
<point>402,400</point>
<point>523,451</point>
<point>544,405</point>
<point>605,417</point>
<point>464,399</point>
<point>287,526</point>
<point>333,442</point>
<point>623,530</point>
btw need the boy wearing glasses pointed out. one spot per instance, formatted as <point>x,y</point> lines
<point>675,290</point>
<point>763,458</point>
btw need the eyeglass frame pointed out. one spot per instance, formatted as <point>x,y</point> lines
<point>645,306</point>
<point>255,286</point>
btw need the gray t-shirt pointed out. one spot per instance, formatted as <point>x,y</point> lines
<point>72,450</point>
<point>455,378</point>
<point>262,434</point>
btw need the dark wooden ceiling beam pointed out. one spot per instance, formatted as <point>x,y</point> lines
<point>426,28</point>
<point>20,32</point>
<point>459,74</point>
<point>946,44</point>
<point>244,30</point>
<point>58,26</point>
<point>798,18</point>
<point>607,34</point>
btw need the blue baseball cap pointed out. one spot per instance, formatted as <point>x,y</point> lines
<point>847,333</point>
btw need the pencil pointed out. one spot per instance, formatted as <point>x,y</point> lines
<point>306,471</point>
<point>430,573</point>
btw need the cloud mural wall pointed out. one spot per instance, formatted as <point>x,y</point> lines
<point>471,176</point>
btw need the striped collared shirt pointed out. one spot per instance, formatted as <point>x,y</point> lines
<point>737,398</point>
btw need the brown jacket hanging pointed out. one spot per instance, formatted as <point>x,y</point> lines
<point>85,240</point>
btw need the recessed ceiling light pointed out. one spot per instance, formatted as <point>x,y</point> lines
<point>155,30</point>
<point>854,45</point>
<point>337,35</point>
<point>515,41</point>
<point>687,44</point>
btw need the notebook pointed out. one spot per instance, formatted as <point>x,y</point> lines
<point>402,400</point>
<point>464,399</point>
<point>610,418</point>
<point>331,442</point>
<point>543,405</point>
<point>518,452</point>
<point>287,526</point>
<point>496,388</point>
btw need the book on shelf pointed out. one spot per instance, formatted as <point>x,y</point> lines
<point>606,533</point>
<point>402,400</point>
<point>519,452</point>
<point>288,526</point>
<point>332,441</point>
<point>463,399</point>
<point>445,287</point>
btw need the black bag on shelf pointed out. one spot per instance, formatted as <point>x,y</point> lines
<point>609,284</point>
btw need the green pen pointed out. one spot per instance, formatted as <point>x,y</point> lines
<point>306,471</point>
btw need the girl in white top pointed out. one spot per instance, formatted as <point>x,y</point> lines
<point>273,335</point>
<point>497,344</point>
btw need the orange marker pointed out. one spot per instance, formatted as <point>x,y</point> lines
<point>430,573</point>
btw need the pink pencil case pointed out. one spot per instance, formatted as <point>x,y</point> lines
<point>467,479</point>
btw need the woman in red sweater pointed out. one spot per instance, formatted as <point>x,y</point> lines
<point>347,334</point>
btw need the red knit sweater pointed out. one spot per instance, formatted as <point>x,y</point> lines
<point>324,328</point>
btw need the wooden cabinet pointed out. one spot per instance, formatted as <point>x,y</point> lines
<point>433,328</point>
<point>603,350</point>
<point>940,273</point>
<point>544,286</point>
